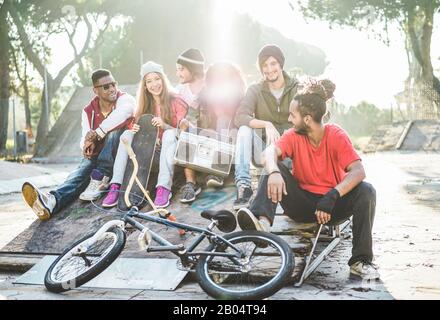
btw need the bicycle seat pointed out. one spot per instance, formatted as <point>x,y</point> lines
<point>226,219</point>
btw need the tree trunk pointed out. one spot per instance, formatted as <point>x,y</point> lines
<point>26,99</point>
<point>414,79</point>
<point>43,123</point>
<point>425,42</point>
<point>428,84</point>
<point>428,71</point>
<point>27,109</point>
<point>4,77</point>
<point>53,83</point>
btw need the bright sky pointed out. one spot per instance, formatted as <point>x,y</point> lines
<point>362,67</point>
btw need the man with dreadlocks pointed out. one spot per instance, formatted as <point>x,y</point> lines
<point>326,184</point>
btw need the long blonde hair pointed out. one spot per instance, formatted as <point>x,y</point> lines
<point>146,101</point>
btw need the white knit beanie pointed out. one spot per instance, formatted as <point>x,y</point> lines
<point>149,67</point>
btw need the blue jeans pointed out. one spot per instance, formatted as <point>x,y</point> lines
<point>79,179</point>
<point>248,148</point>
<point>166,163</point>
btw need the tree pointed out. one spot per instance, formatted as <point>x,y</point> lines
<point>162,29</point>
<point>35,21</point>
<point>360,120</point>
<point>21,86</point>
<point>4,76</point>
<point>416,19</point>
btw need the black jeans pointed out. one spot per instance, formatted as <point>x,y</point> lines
<point>300,205</point>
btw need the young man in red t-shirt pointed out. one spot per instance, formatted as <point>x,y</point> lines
<point>325,185</point>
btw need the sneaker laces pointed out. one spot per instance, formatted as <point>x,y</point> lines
<point>48,199</point>
<point>45,197</point>
<point>240,191</point>
<point>369,264</point>
<point>114,188</point>
<point>374,266</point>
<point>188,187</point>
<point>94,184</point>
<point>159,192</point>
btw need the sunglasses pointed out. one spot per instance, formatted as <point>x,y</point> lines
<point>107,85</point>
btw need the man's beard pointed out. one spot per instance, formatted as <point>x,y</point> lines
<point>302,129</point>
<point>272,80</point>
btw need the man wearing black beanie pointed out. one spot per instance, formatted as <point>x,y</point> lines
<point>262,117</point>
<point>268,51</point>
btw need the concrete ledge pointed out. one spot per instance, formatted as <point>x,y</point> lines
<point>41,181</point>
<point>18,262</point>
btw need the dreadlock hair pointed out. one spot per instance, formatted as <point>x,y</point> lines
<point>312,98</point>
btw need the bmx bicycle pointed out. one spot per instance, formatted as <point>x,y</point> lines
<point>235,265</point>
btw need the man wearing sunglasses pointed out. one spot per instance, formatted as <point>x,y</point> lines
<point>103,121</point>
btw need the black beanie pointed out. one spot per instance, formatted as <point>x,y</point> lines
<point>193,60</point>
<point>270,50</point>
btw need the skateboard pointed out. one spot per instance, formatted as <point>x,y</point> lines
<point>143,145</point>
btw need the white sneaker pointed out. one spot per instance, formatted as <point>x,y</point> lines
<point>41,203</point>
<point>247,221</point>
<point>366,271</point>
<point>265,225</point>
<point>95,189</point>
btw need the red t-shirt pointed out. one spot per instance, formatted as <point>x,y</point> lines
<point>319,169</point>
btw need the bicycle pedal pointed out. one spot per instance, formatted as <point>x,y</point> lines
<point>173,218</point>
<point>144,240</point>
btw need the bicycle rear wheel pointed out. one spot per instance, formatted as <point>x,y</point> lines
<point>266,265</point>
<point>71,270</point>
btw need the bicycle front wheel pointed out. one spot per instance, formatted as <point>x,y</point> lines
<point>266,265</point>
<point>73,268</point>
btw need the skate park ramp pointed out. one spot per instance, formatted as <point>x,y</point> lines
<point>62,143</point>
<point>417,135</point>
<point>424,135</point>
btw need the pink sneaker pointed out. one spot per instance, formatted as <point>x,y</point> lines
<point>112,197</point>
<point>163,196</point>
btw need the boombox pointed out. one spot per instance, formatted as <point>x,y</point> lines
<point>206,151</point>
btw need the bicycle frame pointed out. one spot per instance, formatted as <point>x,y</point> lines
<point>178,250</point>
<point>66,273</point>
<point>165,245</point>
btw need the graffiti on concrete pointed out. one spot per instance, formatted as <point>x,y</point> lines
<point>210,199</point>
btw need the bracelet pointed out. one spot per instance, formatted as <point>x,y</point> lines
<point>101,135</point>
<point>275,171</point>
